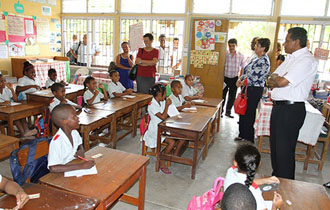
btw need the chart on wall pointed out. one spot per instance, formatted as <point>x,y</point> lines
<point>136,36</point>
<point>204,35</point>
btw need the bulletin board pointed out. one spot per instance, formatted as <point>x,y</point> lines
<point>207,53</point>
<point>20,28</point>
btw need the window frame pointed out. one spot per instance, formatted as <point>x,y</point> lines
<point>151,8</point>
<point>306,16</point>
<point>87,12</point>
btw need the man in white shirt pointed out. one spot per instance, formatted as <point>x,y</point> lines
<point>83,52</point>
<point>291,83</point>
<point>163,56</point>
<point>176,59</point>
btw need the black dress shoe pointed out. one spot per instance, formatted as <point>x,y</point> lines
<point>327,185</point>
<point>230,116</point>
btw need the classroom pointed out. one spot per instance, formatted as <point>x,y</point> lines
<point>171,105</point>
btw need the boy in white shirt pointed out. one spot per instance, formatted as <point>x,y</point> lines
<point>58,89</point>
<point>28,83</point>
<point>115,88</point>
<point>188,91</point>
<point>176,97</point>
<point>52,78</point>
<point>66,145</point>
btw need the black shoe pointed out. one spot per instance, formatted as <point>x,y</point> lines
<point>230,116</point>
<point>238,139</point>
<point>327,185</point>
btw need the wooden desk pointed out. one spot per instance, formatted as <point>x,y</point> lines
<point>199,126</point>
<point>72,91</point>
<point>303,195</point>
<point>94,120</point>
<point>7,145</point>
<point>213,102</point>
<point>117,172</point>
<point>25,109</point>
<point>121,108</point>
<point>140,101</point>
<point>51,199</point>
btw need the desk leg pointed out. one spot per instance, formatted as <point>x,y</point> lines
<point>218,120</point>
<point>158,149</point>
<point>134,120</point>
<point>10,126</point>
<point>142,186</point>
<point>113,134</point>
<point>85,132</point>
<point>207,139</point>
<point>194,163</point>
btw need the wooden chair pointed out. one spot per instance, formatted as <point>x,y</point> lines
<point>146,152</point>
<point>323,138</point>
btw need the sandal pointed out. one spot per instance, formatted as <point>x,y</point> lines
<point>166,170</point>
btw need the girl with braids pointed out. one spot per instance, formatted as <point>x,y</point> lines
<point>91,94</point>
<point>245,165</point>
<point>28,83</point>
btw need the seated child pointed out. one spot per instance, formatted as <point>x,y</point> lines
<point>58,89</point>
<point>176,96</point>
<point>188,91</point>
<point>7,94</point>
<point>12,188</point>
<point>67,143</point>
<point>28,83</point>
<point>246,163</point>
<point>52,78</point>
<point>115,88</point>
<point>238,197</point>
<point>92,95</point>
<point>157,110</point>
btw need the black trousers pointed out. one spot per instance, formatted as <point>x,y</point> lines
<point>231,86</point>
<point>246,122</point>
<point>285,123</point>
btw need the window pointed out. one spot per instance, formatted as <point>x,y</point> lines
<point>252,7</point>
<point>305,8</point>
<point>211,6</point>
<point>100,39</point>
<point>170,28</point>
<point>90,6</point>
<point>153,6</point>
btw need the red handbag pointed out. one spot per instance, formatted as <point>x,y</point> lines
<point>240,103</point>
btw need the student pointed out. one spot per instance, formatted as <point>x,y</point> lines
<point>28,83</point>
<point>52,78</point>
<point>246,163</point>
<point>7,94</point>
<point>58,90</point>
<point>176,97</point>
<point>157,110</point>
<point>67,143</point>
<point>12,188</point>
<point>115,88</point>
<point>92,95</point>
<point>188,91</point>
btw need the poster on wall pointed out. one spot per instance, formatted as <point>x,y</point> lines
<point>2,29</point>
<point>3,51</point>
<point>204,35</point>
<point>47,11</point>
<point>220,37</point>
<point>20,28</point>
<point>16,49</point>
<point>15,26</point>
<point>136,36</point>
<point>29,27</point>
<point>52,3</point>
<point>42,30</point>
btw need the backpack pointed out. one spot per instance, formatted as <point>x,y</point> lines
<point>43,124</point>
<point>209,199</point>
<point>69,54</point>
<point>144,124</point>
<point>33,168</point>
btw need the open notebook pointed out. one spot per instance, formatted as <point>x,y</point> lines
<point>82,172</point>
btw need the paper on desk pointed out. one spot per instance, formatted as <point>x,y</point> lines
<point>269,205</point>
<point>82,172</point>
<point>128,96</point>
<point>193,108</point>
<point>178,123</point>
<point>198,101</point>
<point>172,111</point>
<point>14,103</point>
<point>41,92</point>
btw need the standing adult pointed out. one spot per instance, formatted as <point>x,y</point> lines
<point>253,47</point>
<point>256,73</point>
<point>291,83</point>
<point>163,58</point>
<point>124,62</point>
<point>176,59</point>
<point>146,60</point>
<point>234,64</point>
<point>74,49</point>
<point>83,52</point>
<point>279,57</point>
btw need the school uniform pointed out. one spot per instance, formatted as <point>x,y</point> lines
<point>88,95</point>
<point>55,102</point>
<point>150,136</point>
<point>115,88</point>
<point>0,178</point>
<point>25,81</point>
<point>50,82</point>
<point>6,95</point>
<point>177,101</point>
<point>61,151</point>
<point>233,176</point>
<point>188,91</point>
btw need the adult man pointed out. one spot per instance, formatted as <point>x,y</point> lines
<point>163,56</point>
<point>83,52</point>
<point>176,59</point>
<point>234,65</point>
<point>74,49</point>
<point>253,47</point>
<point>291,83</point>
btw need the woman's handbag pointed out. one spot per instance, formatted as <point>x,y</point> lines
<point>133,72</point>
<point>240,104</point>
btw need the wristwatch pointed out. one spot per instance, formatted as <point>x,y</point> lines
<point>140,62</point>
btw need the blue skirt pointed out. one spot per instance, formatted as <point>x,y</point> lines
<point>124,80</point>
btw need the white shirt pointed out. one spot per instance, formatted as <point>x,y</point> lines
<point>61,151</point>
<point>6,95</point>
<point>25,81</point>
<point>299,69</point>
<point>177,101</point>
<point>88,95</point>
<point>115,88</point>
<point>176,57</point>
<point>56,102</point>
<point>0,178</point>
<point>150,136</point>
<point>233,176</point>
<point>50,82</point>
<point>163,57</point>
<point>82,52</point>
<point>188,91</point>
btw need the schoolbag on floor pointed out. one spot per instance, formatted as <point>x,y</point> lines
<point>43,124</point>
<point>34,169</point>
<point>209,199</point>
